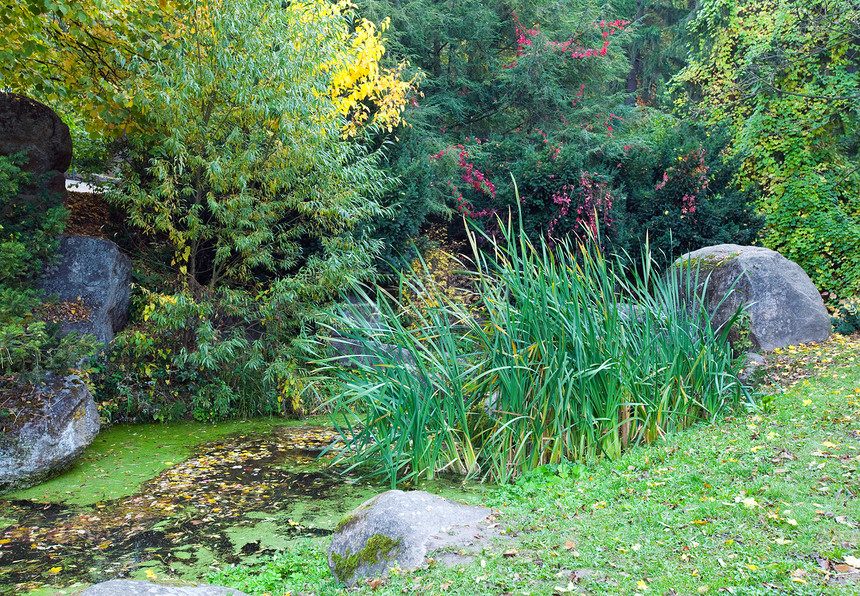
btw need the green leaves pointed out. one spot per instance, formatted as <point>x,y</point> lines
<point>548,366</point>
<point>780,74</point>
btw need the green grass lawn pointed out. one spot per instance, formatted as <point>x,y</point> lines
<point>759,503</point>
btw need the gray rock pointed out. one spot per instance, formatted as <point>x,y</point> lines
<point>632,313</point>
<point>399,529</point>
<point>126,587</point>
<point>49,434</point>
<point>362,312</point>
<point>361,317</point>
<point>784,306</point>
<point>96,272</point>
<point>34,128</point>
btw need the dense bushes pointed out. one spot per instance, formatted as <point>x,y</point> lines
<point>224,355</point>
<point>638,175</point>
<point>547,109</point>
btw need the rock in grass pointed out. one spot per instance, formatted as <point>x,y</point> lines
<point>399,529</point>
<point>45,429</point>
<point>125,587</point>
<point>784,307</point>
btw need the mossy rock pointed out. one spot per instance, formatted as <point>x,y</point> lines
<point>397,529</point>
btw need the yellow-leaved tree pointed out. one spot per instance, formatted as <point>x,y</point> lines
<point>244,162</point>
<point>75,52</point>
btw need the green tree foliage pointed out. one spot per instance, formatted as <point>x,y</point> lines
<point>657,49</point>
<point>246,179</point>
<point>67,50</point>
<point>784,75</point>
<point>498,71</point>
<point>543,93</point>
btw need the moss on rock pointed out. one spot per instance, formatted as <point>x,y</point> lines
<point>378,548</point>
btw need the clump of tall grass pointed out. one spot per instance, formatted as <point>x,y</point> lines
<point>569,354</point>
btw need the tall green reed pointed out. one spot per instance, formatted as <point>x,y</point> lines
<point>569,354</point>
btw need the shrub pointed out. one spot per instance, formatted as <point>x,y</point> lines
<point>30,226</point>
<point>226,355</point>
<point>28,345</point>
<point>638,175</point>
<point>679,189</point>
<point>846,316</point>
<point>556,366</point>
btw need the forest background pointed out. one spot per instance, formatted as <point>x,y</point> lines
<point>272,153</point>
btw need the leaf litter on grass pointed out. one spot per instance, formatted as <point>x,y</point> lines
<point>755,504</point>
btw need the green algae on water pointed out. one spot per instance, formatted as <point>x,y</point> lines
<point>124,457</point>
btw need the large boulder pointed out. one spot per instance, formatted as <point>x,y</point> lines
<point>399,529</point>
<point>127,587</point>
<point>94,272</point>
<point>782,304</point>
<point>35,129</point>
<point>46,428</point>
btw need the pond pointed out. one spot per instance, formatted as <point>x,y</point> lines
<point>174,501</point>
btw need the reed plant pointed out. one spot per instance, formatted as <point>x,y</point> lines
<point>568,354</point>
